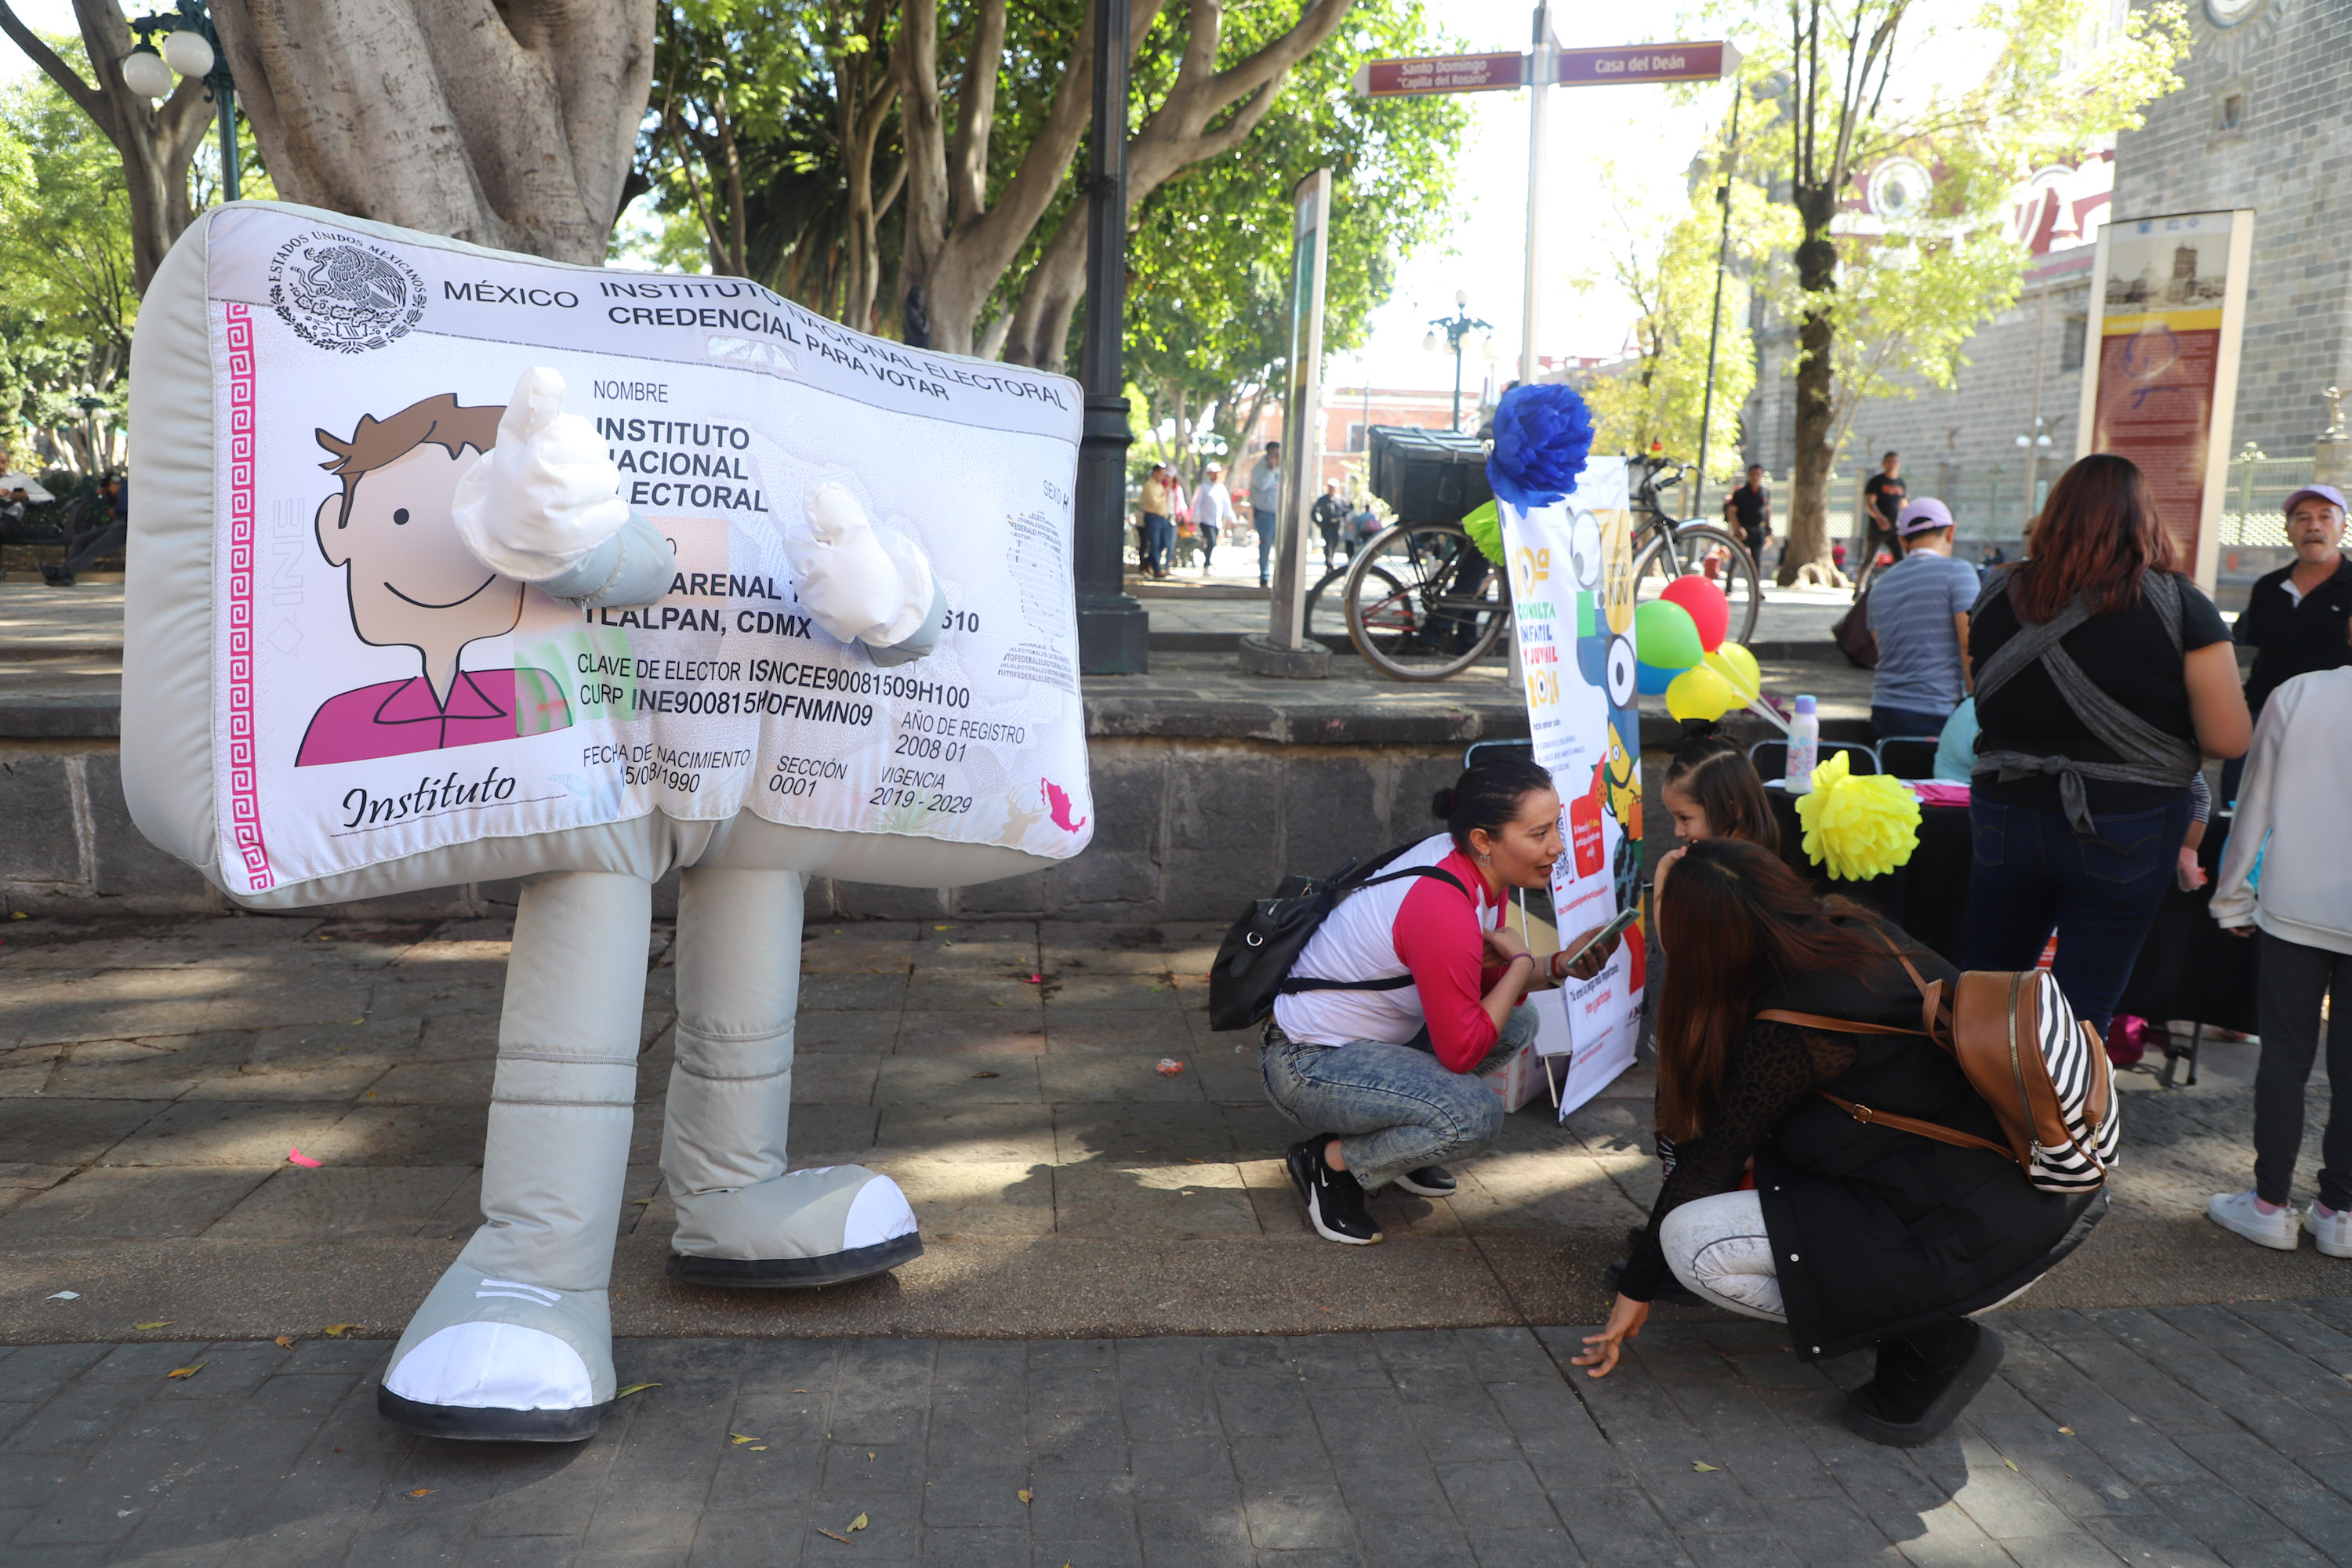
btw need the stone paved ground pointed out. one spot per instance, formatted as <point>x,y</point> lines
<point>2197,1436</point>
<point>154,1077</point>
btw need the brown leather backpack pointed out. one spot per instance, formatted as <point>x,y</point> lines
<point>2043,1074</point>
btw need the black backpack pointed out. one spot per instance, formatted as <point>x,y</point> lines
<point>1253,961</point>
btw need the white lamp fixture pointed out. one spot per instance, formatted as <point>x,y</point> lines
<point>1429,343</point>
<point>144,73</point>
<point>186,52</point>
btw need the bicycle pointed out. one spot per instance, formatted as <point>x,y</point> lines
<point>1422,602</point>
<point>1668,549</point>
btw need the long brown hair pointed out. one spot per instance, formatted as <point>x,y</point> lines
<point>1739,916</point>
<point>2097,536</point>
<point>1717,775</point>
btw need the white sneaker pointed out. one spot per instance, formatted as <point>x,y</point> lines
<point>2236,1212</point>
<point>2331,1233</point>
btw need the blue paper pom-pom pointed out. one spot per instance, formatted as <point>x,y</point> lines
<point>1542,434</point>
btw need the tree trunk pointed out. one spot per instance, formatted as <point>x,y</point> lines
<point>507,124</point>
<point>1809,539</point>
<point>155,140</point>
<point>1177,135</point>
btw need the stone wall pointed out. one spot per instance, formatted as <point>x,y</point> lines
<point>2289,65</point>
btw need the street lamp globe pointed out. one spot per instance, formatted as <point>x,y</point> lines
<point>186,51</point>
<point>1429,343</point>
<point>1462,296</point>
<point>144,73</point>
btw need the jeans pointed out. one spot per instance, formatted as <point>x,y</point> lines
<point>1264,521</point>
<point>1208,546</point>
<point>1158,539</point>
<point>1888,723</point>
<point>1718,1247</point>
<point>2101,893</point>
<point>1394,1108</point>
<point>2294,980</point>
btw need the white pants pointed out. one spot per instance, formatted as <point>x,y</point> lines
<point>1717,1248</point>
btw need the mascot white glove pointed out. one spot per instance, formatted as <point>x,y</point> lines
<point>859,584</point>
<point>547,496</point>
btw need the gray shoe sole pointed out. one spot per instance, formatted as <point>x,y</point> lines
<point>461,1424</point>
<point>797,1273</point>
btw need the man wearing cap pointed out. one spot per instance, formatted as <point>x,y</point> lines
<point>1266,499</point>
<point>1919,611</point>
<point>2299,617</point>
<point>1213,513</point>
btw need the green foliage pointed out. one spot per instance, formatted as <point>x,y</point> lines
<point>1665,260</point>
<point>1209,254</point>
<point>66,299</point>
<point>1906,295</point>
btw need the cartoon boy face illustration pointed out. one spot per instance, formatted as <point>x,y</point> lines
<point>411,583</point>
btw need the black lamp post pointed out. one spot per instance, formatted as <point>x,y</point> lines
<point>89,403</point>
<point>1456,327</point>
<point>190,47</point>
<point>1114,629</point>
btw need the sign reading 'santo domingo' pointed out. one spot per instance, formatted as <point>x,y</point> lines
<point>1573,68</point>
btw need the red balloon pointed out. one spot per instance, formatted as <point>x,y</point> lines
<point>1706,606</point>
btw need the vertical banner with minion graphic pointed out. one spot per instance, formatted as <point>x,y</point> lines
<point>1571,566</point>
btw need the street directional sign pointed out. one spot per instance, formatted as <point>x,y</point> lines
<point>1576,67</point>
<point>1647,62</point>
<point>1440,73</point>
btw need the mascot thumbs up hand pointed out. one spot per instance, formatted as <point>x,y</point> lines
<point>544,506</point>
<point>863,585</point>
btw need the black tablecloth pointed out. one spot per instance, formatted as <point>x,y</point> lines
<point>2188,968</point>
<point>1927,897</point>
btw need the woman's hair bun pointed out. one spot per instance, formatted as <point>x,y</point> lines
<point>1440,805</point>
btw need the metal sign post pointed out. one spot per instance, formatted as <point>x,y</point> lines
<point>1545,66</point>
<point>1302,414</point>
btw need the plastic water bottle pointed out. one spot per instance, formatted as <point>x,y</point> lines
<point>1804,746</point>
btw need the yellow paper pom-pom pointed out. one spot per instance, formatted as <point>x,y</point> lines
<point>1858,828</point>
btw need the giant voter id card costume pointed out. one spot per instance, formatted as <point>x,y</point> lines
<point>333,690</point>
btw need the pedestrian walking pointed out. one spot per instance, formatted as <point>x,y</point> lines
<point>1854,1233</point>
<point>1330,519</point>
<point>1883,495</point>
<point>1918,610</point>
<point>2103,679</point>
<point>2287,877</point>
<point>1213,511</point>
<point>1265,505</point>
<point>2299,617</point>
<point>1747,510</point>
<point>1159,533</point>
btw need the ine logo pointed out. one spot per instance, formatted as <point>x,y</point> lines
<point>341,293</point>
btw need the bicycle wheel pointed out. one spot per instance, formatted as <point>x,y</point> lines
<point>1323,614</point>
<point>1423,602</point>
<point>1703,549</point>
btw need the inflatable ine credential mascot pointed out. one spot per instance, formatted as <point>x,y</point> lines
<point>797,602</point>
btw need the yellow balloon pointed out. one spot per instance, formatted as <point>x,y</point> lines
<point>1737,667</point>
<point>1699,692</point>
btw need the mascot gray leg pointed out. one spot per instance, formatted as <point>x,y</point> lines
<point>516,1341</point>
<point>742,1218</point>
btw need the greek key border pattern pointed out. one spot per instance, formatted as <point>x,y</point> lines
<point>244,766</point>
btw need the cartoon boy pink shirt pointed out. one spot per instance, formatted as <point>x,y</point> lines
<point>399,717</point>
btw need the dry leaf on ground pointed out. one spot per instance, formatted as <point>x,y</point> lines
<point>425,1492</point>
<point>1701,1465</point>
<point>857,1523</point>
<point>1023,1494</point>
<point>634,1388</point>
<point>161,1323</point>
<point>185,1371</point>
<point>286,1342</point>
<point>337,1331</point>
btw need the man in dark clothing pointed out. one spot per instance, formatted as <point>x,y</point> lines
<point>1748,511</point>
<point>1883,495</point>
<point>1331,517</point>
<point>2299,617</point>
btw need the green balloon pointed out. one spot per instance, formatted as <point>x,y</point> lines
<point>1665,635</point>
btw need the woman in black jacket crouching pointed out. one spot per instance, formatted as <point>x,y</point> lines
<point>1855,1234</point>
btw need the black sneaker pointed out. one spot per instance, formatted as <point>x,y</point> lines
<point>1335,1203</point>
<point>1922,1381</point>
<point>1430,1182</point>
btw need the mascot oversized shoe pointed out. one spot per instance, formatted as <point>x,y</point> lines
<point>809,1228</point>
<point>497,1361</point>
